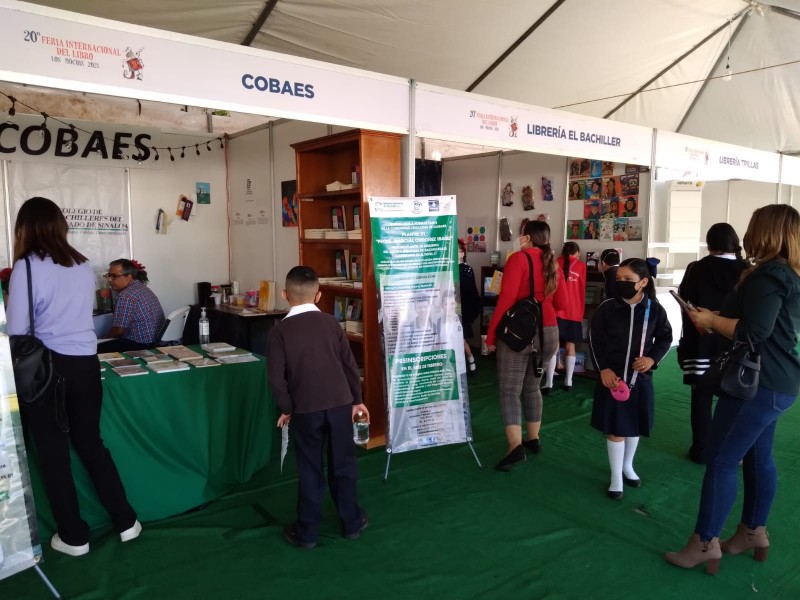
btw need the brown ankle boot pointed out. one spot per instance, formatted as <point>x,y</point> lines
<point>746,538</point>
<point>696,552</point>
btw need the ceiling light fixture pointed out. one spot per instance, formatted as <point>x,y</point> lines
<point>728,72</point>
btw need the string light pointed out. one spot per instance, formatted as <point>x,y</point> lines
<point>70,143</point>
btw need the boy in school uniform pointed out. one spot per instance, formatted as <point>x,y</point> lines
<point>316,385</point>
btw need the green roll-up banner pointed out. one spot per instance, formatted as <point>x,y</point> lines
<point>415,252</point>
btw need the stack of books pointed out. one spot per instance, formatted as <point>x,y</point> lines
<point>218,347</point>
<point>179,352</point>
<point>129,370</point>
<point>157,358</point>
<point>316,234</point>
<point>168,367</point>
<point>202,362</point>
<point>355,327</point>
<point>354,234</point>
<point>336,234</point>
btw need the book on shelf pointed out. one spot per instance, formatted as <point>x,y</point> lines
<point>357,218</point>
<point>230,360</point>
<point>356,327</point>
<point>496,283</point>
<point>201,363</point>
<point>139,353</point>
<point>337,217</point>
<point>267,295</point>
<point>129,371</point>
<point>122,362</point>
<point>337,234</point>
<point>157,358</point>
<point>106,356</point>
<point>593,261</point>
<point>218,347</point>
<point>179,352</point>
<point>354,234</point>
<point>315,234</point>
<point>339,307</point>
<point>355,267</point>
<point>331,280</point>
<point>353,309</point>
<point>341,261</point>
<point>169,367</point>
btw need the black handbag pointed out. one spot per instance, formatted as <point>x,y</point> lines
<point>520,323</point>
<point>31,359</point>
<point>735,372</point>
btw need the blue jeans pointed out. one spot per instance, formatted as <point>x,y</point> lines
<point>741,429</point>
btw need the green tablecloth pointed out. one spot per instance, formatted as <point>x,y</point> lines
<point>178,439</point>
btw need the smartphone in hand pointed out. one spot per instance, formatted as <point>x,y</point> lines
<point>689,308</point>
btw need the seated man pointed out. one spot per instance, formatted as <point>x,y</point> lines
<point>138,316</point>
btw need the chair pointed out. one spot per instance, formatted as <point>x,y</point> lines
<point>172,329</point>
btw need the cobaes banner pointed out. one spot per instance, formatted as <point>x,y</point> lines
<point>415,254</point>
<point>19,544</point>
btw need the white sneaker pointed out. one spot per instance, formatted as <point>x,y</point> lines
<point>58,545</point>
<point>131,533</point>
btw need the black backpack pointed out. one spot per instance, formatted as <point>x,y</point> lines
<point>519,325</point>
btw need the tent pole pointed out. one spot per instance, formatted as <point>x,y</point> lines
<point>259,22</point>
<point>675,62</point>
<point>516,44</point>
<point>716,66</point>
<point>785,12</point>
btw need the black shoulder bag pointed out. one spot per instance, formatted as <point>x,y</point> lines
<point>735,372</point>
<point>519,325</point>
<point>32,361</point>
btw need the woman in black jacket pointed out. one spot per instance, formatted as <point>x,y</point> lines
<point>706,284</point>
<point>470,302</point>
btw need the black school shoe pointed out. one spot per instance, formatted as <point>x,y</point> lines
<point>510,459</point>
<point>357,533</point>
<point>290,535</point>
<point>533,446</point>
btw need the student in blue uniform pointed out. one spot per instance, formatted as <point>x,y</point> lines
<point>629,335</point>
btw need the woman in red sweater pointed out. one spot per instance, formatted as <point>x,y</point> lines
<point>516,371</point>
<point>570,319</point>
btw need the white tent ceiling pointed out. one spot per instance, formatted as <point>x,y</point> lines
<point>585,56</point>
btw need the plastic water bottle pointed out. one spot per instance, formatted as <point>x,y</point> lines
<point>361,429</point>
<point>205,338</point>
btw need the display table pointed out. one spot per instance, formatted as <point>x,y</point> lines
<point>179,439</point>
<point>245,328</point>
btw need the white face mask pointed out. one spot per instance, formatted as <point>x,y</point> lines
<point>518,243</point>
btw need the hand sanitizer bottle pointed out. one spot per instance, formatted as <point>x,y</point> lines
<point>204,327</point>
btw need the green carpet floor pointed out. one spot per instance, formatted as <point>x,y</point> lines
<point>442,528</point>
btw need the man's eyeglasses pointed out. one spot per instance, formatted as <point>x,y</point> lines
<point>113,276</point>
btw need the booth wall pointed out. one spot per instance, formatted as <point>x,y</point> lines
<point>251,193</point>
<point>473,181</point>
<point>746,196</point>
<point>521,169</point>
<point>715,207</point>
<point>191,251</point>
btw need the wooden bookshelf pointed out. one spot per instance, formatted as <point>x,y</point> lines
<point>322,161</point>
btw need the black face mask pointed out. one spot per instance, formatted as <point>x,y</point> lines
<point>626,289</point>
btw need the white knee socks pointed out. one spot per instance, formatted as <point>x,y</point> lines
<point>630,449</point>
<point>569,363</point>
<point>616,454</point>
<point>551,369</point>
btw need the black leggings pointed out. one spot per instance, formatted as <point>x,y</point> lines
<point>83,399</point>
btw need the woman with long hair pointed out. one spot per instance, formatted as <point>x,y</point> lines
<point>63,295</point>
<point>517,372</point>
<point>570,318</point>
<point>764,308</point>
<point>706,283</point>
<point>628,336</point>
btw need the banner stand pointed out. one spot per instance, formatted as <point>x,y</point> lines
<point>47,582</point>
<point>414,255</point>
<point>389,458</point>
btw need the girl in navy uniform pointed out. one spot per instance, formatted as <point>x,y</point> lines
<point>629,335</point>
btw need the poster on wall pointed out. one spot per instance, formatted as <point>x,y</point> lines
<point>414,244</point>
<point>94,201</point>
<point>289,203</point>
<point>19,543</point>
<point>203,192</point>
<point>476,238</point>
